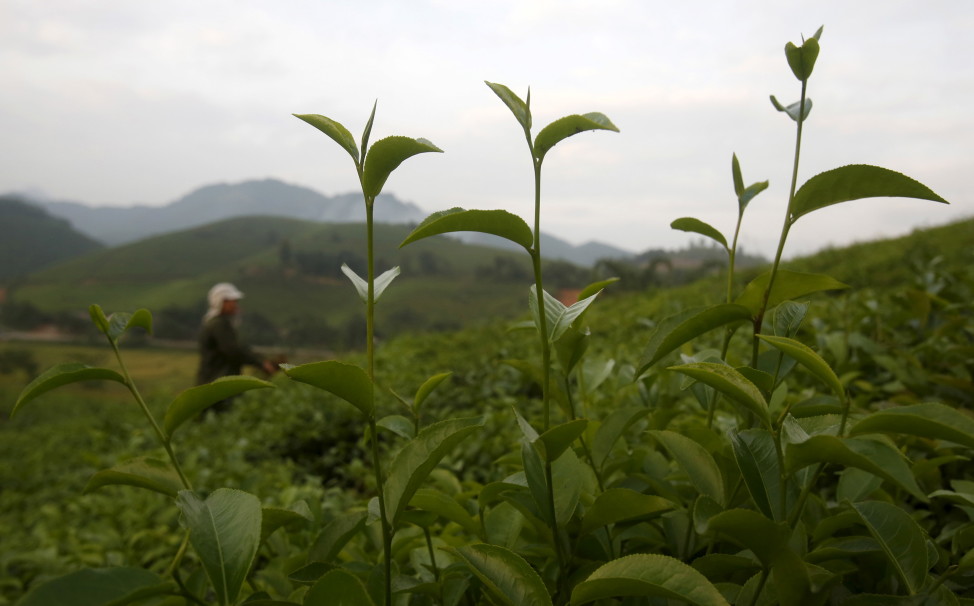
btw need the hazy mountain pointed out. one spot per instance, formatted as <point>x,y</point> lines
<point>119,225</point>
<point>584,255</point>
<point>31,239</point>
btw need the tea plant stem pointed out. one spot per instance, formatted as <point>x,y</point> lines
<point>581,439</point>
<point>940,580</point>
<point>782,473</point>
<point>845,414</point>
<point>712,409</point>
<point>184,591</point>
<point>174,566</point>
<point>732,256</point>
<point>373,433</point>
<point>130,384</point>
<point>760,588</point>
<point>803,496</point>
<point>436,570</point>
<point>786,227</point>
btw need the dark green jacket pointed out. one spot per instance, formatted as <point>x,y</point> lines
<point>221,352</point>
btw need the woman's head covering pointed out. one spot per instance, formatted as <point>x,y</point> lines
<point>224,291</point>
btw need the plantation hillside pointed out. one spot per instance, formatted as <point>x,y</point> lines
<point>291,273</point>
<point>31,239</point>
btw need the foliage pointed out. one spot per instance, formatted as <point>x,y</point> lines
<point>778,445</point>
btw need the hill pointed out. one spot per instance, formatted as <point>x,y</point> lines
<point>290,272</point>
<point>121,225</point>
<point>32,239</point>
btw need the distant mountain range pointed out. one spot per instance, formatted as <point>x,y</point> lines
<point>119,225</point>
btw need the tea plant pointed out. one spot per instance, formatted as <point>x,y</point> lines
<point>224,528</point>
<point>426,446</point>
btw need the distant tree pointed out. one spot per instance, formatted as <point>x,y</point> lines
<point>284,253</point>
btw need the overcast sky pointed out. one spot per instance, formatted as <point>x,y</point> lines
<point>114,102</point>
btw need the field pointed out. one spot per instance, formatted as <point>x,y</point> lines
<point>905,342</point>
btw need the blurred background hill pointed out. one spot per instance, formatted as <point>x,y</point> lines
<point>284,246</point>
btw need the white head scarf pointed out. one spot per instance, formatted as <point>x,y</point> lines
<point>224,291</point>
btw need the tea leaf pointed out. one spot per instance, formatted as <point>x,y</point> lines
<point>754,531</point>
<point>751,192</point>
<point>843,548</point>
<point>731,383</point>
<point>120,322</point>
<point>647,575</point>
<point>611,429</point>
<point>935,421</point>
<point>788,285</point>
<point>901,539</point>
<point>696,226</point>
<point>98,587</point>
<point>338,133</point>
<point>794,109</point>
<point>427,388</point>
<point>346,381</point>
<point>142,472</point>
<point>520,109</point>
<point>361,286</point>
<point>412,465</point>
<point>560,437</point>
<point>878,458</point>
<point>567,478</point>
<point>224,530</point>
<point>367,131</point>
<point>63,374</point>
<point>195,400</point>
<point>338,588</point>
<point>855,182</point>
<point>737,176</point>
<point>558,317</point>
<point>385,156</point>
<point>384,280</point>
<point>757,458</point>
<point>595,287</point>
<point>801,59</point>
<point>676,330</point>
<point>505,574</point>
<point>336,533</point>
<point>807,358</point>
<point>496,222</point>
<point>696,462</point>
<point>399,425</point>
<point>98,318</point>
<point>571,347</point>
<point>273,518</point>
<point>445,506</point>
<point>788,317</point>
<point>534,473</point>
<point>563,128</point>
<point>623,505</point>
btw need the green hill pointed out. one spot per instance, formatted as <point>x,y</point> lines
<point>31,239</point>
<point>290,273</point>
<point>891,262</point>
